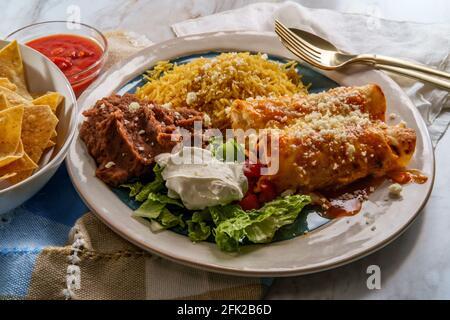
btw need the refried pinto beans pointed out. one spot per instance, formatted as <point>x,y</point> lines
<point>124,134</point>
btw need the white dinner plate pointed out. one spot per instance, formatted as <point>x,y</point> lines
<point>338,242</point>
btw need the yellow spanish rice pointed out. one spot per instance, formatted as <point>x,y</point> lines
<point>211,85</point>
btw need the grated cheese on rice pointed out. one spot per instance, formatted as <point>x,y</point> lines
<point>217,82</point>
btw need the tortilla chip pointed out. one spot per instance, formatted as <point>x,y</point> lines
<point>50,144</point>
<point>7,176</point>
<point>17,155</point>
<point>4,82</point>
<point>39,122</point>
<point>10,134</point>
<point>24,164</point>
<point>18,170</point>
<point>13,98</point>
<point>24,168</point>
<point>4,103</point>
<point>20,177</point>
<point>51,99</point>
<point>11,67</point>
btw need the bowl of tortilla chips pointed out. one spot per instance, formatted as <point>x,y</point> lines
<point>37,122</point>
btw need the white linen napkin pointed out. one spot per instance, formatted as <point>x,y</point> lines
<point>425,43</point>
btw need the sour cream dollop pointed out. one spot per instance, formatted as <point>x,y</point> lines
<point>200,180</point>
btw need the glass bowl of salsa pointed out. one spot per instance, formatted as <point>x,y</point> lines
<point>79,50</point>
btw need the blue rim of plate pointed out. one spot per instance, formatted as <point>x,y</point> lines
<point>309,219</point>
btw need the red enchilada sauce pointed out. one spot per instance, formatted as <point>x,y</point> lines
<point>335,203</point>
<point>72,54</point>
<point>338,206</point>
<point>346,201</point>
<point>406,176</point>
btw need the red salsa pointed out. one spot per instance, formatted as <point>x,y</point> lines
<point>72,54</point>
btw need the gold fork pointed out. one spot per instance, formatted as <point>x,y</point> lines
<point>324,55</point>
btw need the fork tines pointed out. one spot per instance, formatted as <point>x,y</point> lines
<point>297,45</point>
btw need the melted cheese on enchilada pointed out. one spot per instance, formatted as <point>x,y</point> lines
<point>329,139</point>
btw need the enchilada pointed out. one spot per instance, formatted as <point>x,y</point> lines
<point>278,112</point>
<point>329,139</point>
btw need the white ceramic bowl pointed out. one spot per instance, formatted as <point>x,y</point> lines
<point>42,75</point>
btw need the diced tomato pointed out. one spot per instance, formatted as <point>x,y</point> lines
<point>249,202</point>
<point>57,51</point>
<point>252,170</point>
<point>73,54</point>
<point>251,184</point>
<point>268,192</point>
<point>80,54</point>
<point>62,62</point>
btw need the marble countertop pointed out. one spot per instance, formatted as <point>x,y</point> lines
<point>415,266</point>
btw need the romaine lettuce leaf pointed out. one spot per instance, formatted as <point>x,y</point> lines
<point>231,232</point>
<point>198,226</point>
<point>156,185</point>
<point>155,207</point>
<point>155,210</point>
<point>162,198</point>
<point>140,191</point>
<point>169,220</point>
<point>150,209</point>
<point>135,188</point>
<point>273,216</point>
<point>222,213</point>
<point>258,226</point>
